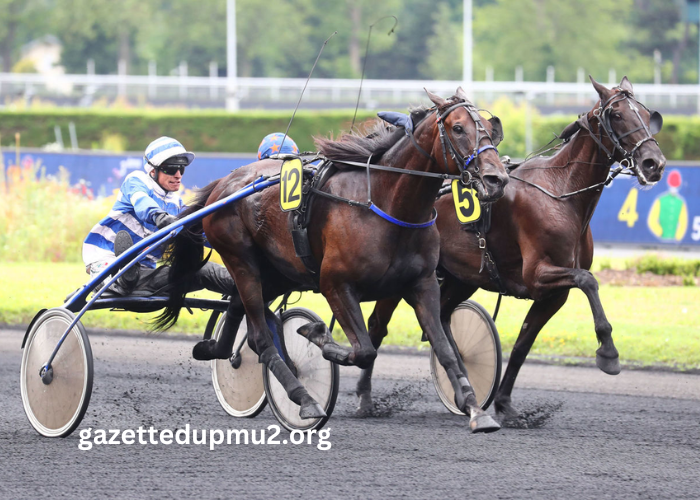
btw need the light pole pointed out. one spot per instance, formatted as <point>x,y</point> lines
<point>467,55</point>
<point>231,60</point>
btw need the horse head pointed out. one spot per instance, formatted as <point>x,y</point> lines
<point>468,142</point>
<point>631,127</point>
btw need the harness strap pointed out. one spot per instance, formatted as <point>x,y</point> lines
<point>607,181</point>
<point>397,170</point>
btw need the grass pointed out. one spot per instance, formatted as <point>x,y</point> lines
<point>650,325</point>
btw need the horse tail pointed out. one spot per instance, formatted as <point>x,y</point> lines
<point>185,256</point>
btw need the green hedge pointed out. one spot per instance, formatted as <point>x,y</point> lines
<point>218,131</point>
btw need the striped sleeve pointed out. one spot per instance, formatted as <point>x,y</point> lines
<point>138,195</point>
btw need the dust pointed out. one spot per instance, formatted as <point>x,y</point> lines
<point>399,398</point>
<point>533,417</point>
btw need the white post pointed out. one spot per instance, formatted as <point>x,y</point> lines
<point>152,72</point>
<point>657,67</point>
<point>90,66</point>
<point>122,78</point>
<point>73,136</point>
<point>550,81</point>
<point>580,79</point>
<point>612,77</point>
<point>213,77</point>
<point>183,76</point>
<point>489,79</point>
<point>519,74</point>
<point>232,103</point>
<point>528,124</point>
<point>468,47</point>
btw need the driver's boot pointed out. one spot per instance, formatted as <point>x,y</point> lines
<point>127,282</point>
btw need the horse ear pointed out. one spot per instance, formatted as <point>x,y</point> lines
<point>656,121</point>
<point>626,85</point>
<point>602,90</point>
<point>437,100</point>
<point>496,130</point>
<point>462,94</point>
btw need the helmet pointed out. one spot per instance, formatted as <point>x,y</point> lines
<point>166,150</point>
<point>270,145</point>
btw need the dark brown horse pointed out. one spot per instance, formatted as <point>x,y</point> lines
<point>541,243</point>
<point>360,255</point>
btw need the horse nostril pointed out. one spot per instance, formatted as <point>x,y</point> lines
<point>649,164</point>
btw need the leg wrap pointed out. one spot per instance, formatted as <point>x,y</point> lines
<point>271,358</point>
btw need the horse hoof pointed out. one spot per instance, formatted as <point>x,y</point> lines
<point>611,366</point>
<point>365,407</point>
<point>204,350</point>
<point>316,333</point>
<point>312,410</point>
<point>483,423</point>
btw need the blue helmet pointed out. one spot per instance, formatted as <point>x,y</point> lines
<point>270,145</point>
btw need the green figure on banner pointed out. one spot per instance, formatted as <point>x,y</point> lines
<point>668,217</point>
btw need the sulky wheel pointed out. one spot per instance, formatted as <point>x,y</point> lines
<point>319,376</point>
<point>238,381</point>
<point>56,403</point>
<point>476,338</point>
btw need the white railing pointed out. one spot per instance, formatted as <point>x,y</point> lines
<point>83,90</point>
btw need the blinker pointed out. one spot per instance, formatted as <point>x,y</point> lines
<point>656,121</point>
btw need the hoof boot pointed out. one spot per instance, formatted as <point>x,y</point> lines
<point>483,423</point>
<point>312,410</point>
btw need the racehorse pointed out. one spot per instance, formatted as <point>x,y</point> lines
<point>360,256</point>
<point>540,239</point>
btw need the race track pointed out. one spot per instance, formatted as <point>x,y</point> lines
<point>636,435</point>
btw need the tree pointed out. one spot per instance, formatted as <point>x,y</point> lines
<point>22,21</point>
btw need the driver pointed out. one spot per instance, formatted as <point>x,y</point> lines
<point>148,201</point>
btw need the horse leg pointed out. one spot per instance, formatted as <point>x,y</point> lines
<point>550,279</point>
<point>539,314</point>
<point>606,357</point>
<point>452,293</point>
<point>425,300</point>
<point>377,323</point>
<point>346,309</point>
<point>206,350</point>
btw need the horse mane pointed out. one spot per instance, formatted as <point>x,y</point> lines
<point>374,140</point>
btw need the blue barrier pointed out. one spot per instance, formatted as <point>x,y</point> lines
<point>101,174</point>
<point>667,215</point>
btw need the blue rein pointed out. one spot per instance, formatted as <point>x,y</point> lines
<point>481,150</point>
<point>381,213</point>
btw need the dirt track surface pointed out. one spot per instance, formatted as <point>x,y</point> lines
<point>631,436</point>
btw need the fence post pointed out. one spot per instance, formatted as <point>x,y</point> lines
<point>213,76</point>
<point>152,72</point>
<point>73,136</point>
<point>528,124</point>
<point>183,76</point>
<point>580,79</point>
<point>550,81</point>
<point>59,136</point>
<point>121,90</point>
<point>489,79</point>
<point>612,77</point>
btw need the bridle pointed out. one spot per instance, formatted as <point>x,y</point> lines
<point>446,142</point>
<point>602,114</point>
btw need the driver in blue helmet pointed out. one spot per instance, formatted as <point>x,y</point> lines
<point>276,143</point>
<point>148,201</point>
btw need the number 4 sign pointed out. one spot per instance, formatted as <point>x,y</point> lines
<point>628,211</point>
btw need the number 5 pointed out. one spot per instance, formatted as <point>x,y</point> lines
<point>696,228</point>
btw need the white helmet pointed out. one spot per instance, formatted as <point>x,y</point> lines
<point>166,148</point>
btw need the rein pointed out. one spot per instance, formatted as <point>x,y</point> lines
<point>446,143</point>
<point>602,113</point>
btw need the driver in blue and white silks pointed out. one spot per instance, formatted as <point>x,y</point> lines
<point>148,201</point>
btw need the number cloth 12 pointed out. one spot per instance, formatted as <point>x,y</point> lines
<point>290,185</point>
<point>466,203</point>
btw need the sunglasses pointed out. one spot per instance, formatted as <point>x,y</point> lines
<point>172,169</point>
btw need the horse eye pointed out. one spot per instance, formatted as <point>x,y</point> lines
<point>617,116</point>
<point>458,129</point>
